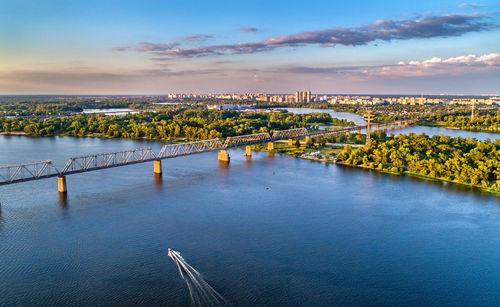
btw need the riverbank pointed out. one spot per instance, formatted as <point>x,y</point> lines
<point>407,172</point>
<point>445,125</point>
<point>330,152</point>
<point>13,133</point>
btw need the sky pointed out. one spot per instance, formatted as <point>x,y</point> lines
<point>258,46</point>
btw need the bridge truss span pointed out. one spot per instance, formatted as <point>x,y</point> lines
<point>236,141</point>
<point>27,171</point>
<point>290,133</point>
<point>183,149</point>
<point>106,160</point>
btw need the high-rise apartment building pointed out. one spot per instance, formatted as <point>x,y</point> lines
<point>303,96</point>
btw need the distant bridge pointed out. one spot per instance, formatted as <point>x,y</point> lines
<point>45,169</point>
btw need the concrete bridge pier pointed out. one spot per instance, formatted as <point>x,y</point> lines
<point>385,127</point>
<point>157,167</point>
<point>377,128</point>
<point>290,142</point>
<point>399,125</point>
<point>308,138</point>
<point>392,126</point>
<point>270,145</point>
<point>359,131</point>
<point>61,184</point>
<point>63,200</point>
<point>158,180</point>
<point>223,156</point>
<point>406,124</point>
<point>248,151</point>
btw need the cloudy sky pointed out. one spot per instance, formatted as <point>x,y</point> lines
<point>158,47</point>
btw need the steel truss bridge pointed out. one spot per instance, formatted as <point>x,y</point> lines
<point>45,169</point>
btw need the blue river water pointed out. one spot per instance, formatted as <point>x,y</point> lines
<point>267,231</point>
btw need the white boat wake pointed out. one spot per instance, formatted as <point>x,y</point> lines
<point>200,292</point>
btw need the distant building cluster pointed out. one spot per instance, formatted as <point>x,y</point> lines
<point>306,97</point>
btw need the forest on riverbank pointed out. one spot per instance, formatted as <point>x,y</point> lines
<point>467,161</point>
<point>51,106</point>
<point>484,122</point>
<point>191,124</point>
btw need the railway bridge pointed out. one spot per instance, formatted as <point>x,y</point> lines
<point>46,169</point>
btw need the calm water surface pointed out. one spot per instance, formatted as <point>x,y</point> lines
<point>430,131</point>
<point>271,231</point>
<point>358,120</point>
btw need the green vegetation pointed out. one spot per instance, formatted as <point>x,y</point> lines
<point>298,148</point>
<point>466,161</point>
<point>353,138</point>
<point>328,146</point>
<point>442,115</point>
<point>196,123</point>
<point>45,106</point>
<point>485,121</point>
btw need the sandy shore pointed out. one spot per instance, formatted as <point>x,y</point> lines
<point>13,133</point>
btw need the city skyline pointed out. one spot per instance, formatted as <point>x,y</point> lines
<point>125,47</point>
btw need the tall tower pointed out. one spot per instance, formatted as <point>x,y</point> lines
<point>472,112</point>
<point>368,120</point>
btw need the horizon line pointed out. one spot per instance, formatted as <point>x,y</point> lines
<point>243,93</point>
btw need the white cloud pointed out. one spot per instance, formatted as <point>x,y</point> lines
<point>438,66</point>
<point>490,59</point>
<point>460,65</point>
<point>472,5</point>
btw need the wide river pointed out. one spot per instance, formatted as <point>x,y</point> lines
<point>270,231</point>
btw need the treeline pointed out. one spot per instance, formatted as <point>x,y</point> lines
<point>348,138</point>
<point>485,121</point>
<point>391,112</point>
<point>467,161</point>
<point>174,123</point>
<point>38,106</point>
<point>380,113</point>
